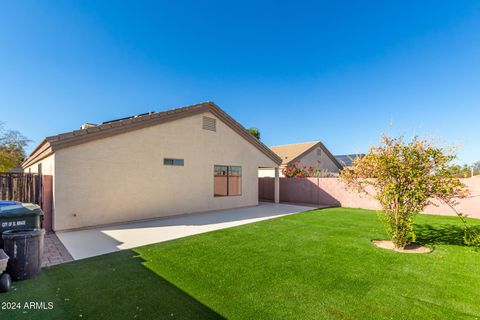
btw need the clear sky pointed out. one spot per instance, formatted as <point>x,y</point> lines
<point>336,71</point>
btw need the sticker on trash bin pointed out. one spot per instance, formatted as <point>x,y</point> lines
<point>14,224</point>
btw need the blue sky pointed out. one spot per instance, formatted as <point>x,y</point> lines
<point>339,71</point>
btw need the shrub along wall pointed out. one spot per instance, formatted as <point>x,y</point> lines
<point>332,191</point>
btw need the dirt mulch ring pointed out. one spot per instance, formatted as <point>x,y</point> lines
<point>413,248</point>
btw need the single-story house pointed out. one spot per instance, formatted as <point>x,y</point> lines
<point>185,160</point>
<point>346,160</point>
<point>313,154</point>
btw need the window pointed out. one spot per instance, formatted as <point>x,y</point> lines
<point>220,181</point>
<point>227,181</point>
<point>319,152</point>
<point>209,124</point>
<point>234,181</point>
<point>173,162</point>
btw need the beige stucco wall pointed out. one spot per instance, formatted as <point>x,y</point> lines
<point>48,166</point>
<point>332,191</point>
<point>122,178</point>
<point>326,163</point>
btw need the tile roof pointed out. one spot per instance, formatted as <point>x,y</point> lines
<point>107,129</point>
<point>292,152</point>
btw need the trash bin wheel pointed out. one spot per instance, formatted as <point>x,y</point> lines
<point>5,282</point>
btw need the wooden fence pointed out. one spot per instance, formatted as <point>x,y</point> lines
<point>23,187</point>
<point>29,188</point>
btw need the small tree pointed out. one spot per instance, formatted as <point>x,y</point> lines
<point>12,152</point>
<point>461,171</point>
<point>476,168</point>
<point>404,178</point>
<point>254,132</point>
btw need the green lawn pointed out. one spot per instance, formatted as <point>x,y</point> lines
<point>313,265</point>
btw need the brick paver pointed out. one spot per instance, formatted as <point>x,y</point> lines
<point>54,252</point>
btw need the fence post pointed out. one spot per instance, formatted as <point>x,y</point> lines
<point>276,188</point>
<point>47,201</point>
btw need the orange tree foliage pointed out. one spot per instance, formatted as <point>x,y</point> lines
<point>405,178</point>
<point>12,152</point>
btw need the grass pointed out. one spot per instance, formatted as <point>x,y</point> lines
<point>313,265</point>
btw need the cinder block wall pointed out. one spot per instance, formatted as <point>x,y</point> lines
<point>332,191</point>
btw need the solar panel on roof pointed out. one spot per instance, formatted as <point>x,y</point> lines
<point>132,117</point>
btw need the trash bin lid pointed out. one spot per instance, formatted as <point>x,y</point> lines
<point>22,233</point>
<point>11,209</point>
<point>8,203</point>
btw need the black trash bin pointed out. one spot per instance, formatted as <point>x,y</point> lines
<point>17,216</point>
<point>25,249</point>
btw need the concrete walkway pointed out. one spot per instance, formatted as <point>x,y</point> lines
<point>92,242</point>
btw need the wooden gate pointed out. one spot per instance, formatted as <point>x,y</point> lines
<point>266,187</point>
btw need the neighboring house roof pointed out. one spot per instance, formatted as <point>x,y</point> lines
<point>347,159</point>
<point>51,144</point>
<point>293,152</point>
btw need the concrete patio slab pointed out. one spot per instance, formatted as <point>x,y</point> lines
<point>92,242</point>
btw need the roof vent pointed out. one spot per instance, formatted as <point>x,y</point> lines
<point>209,124</point>
<point>87,125</point>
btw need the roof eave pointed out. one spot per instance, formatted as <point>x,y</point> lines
<point>77,137</point>
<point>43,150</point>
<point>322,146</point>
<point>236,126</point>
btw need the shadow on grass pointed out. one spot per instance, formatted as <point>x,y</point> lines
<point>113,286</point>
<point>441,234</point>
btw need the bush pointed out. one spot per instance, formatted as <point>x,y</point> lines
<point>405,178</point>
<point>297,170</point>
